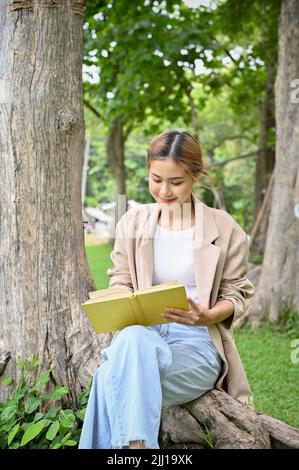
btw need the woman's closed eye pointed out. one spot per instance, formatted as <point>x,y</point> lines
<point>175,184</point>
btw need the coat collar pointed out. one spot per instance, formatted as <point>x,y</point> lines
<point>205,232</point>
<point>205,254</point>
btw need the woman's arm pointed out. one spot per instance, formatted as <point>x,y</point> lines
<point>198,315</point>
<point>221,311</point>
<point>234,289</point>
<point>235,286</point>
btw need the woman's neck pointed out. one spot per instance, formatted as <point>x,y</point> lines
<point>177,218</point>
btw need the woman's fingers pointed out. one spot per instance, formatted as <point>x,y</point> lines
<point>178,318</point>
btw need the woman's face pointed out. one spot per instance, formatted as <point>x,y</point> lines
<point>169,182</point>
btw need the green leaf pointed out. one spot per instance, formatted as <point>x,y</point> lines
<point>52,431</point>
<point>7,381</point>
<point>80,414</point>
<point>12,433</point>
<point>15,445</point>
<point>69,412</point>
<point>70,443</point>
<point>28,365</point>
<point>58,392</point>
<point>31,404</point>
<point>52,413</point>
<point>66,438</point>
<point>34,430</point>
<point>38,416</point>
<point>42,379</point>
<point>21,392</point>
<point>25,426</point>
<point>57,446</point>
<point>66,419</point>
<point>8,412</point>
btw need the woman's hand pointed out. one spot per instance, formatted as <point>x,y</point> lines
<point>196,316</point>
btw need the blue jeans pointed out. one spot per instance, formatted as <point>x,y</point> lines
<point>143,370</point>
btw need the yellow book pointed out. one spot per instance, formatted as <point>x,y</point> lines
<point>112,309</point>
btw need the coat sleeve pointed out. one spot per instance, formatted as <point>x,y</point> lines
<point>119,273</point>
<point>234,285</point>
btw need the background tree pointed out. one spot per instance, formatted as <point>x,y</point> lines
<point>146,65</point>
<point>278,288</point>
<point>125,41</point>
<point>149,72</point>
<point>44,276</point>
<point>252,27</point>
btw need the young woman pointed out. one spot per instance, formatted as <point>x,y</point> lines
<point>176,238</point>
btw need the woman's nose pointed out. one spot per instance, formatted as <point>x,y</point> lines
<point>165,190</point>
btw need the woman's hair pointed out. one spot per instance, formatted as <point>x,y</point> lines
<point>181,147</point>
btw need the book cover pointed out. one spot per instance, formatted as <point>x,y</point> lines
<point>112,309</point>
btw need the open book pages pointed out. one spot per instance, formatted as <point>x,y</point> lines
<point>116,291</point>
<point>108,292</point>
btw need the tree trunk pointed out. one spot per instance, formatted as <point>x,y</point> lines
<point>85,167</point>
<point>265,160</point>
<point>115,148</point>
<point>195,123</point>
<point>279,284</point>
<point>216,420</point>
<point>219,201</point>
<point>44,275</point>
<point>260,228</point>
<point>264,171</point>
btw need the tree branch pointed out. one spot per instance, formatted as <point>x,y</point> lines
<point>90,106</point>
<point>239,157</point>
<point>223,139</point>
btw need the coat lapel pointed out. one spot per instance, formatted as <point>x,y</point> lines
<point>145,259</point>
<point>205,254</point>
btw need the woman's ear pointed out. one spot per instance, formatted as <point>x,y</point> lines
<point>195,178</point>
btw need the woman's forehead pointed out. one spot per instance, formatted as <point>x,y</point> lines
<point>167,168</point>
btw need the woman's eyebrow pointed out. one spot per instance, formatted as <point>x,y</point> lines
<point>174,178</point>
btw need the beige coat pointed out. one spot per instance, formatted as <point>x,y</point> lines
<point>220,251</point>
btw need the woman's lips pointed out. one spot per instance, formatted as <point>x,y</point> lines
<point>167,200</point>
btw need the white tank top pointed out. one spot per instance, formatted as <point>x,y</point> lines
<point>173,258</point>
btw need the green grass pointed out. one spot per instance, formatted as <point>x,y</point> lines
<point>99,261</point>
<point>274,379</point>
<point>266,353</point>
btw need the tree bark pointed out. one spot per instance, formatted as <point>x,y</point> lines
<point>264,170</point>
<point>265,160</point>
<point>44,276</point>
<point>216,420</point>
<point>219,201</point>
<point>279,283</point>
<point>115,149</point>
<point>260,228</point>
<point>195,123</point>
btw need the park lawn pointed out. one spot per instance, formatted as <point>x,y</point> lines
<point>99,261</point>
<point>274,379</point>
<point>266,354</point>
